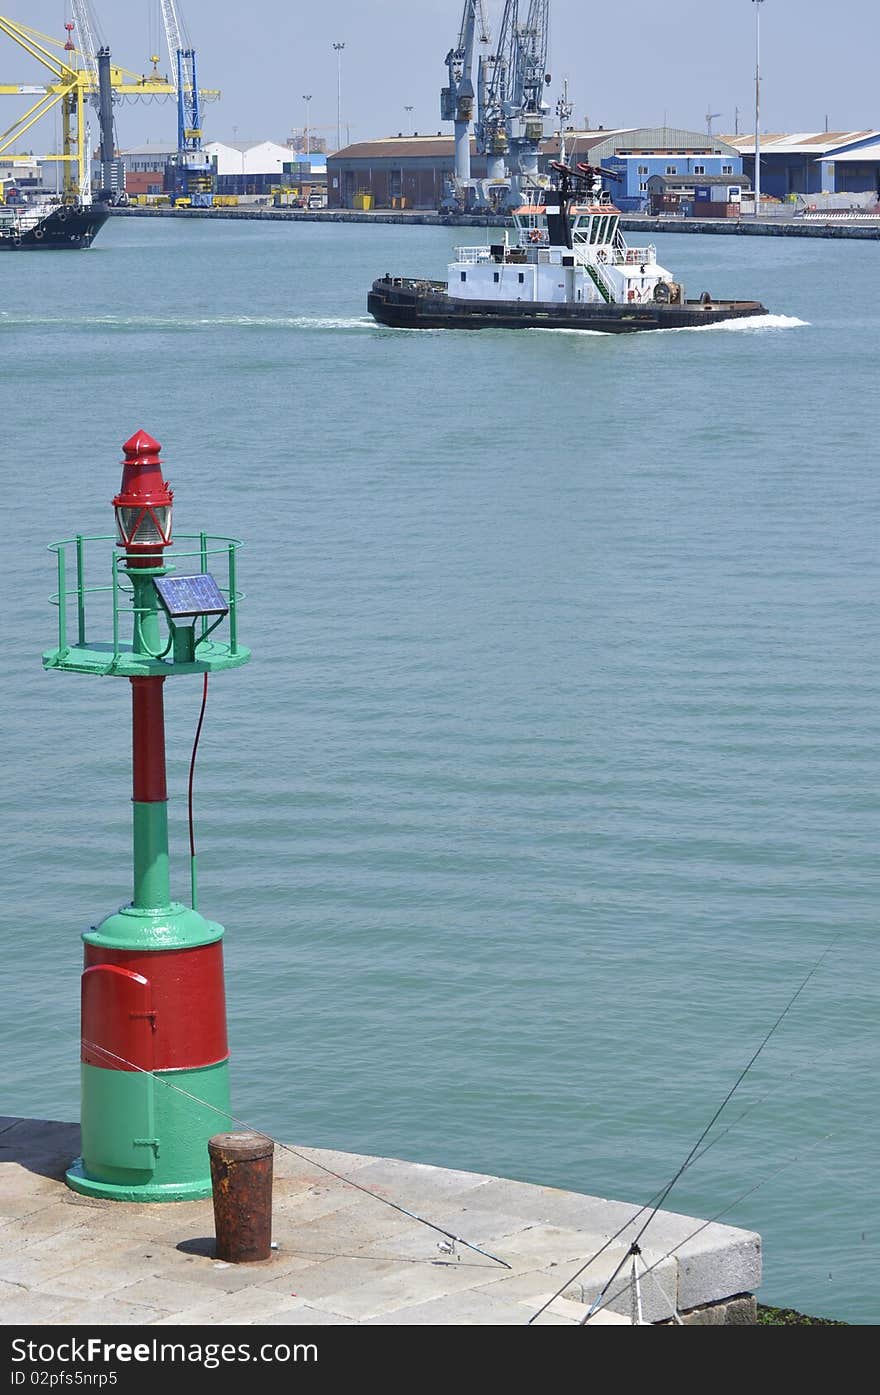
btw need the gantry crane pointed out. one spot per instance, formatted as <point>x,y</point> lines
<point>79,72</point>
<point>457,100</point>
<point>72,82</point>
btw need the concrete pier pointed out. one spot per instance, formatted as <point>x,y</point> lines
<point>346,1257</point>
<point>721,227</point>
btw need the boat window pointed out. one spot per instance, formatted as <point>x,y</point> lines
<point>496,276</point>
<point>464,276</point>
<point>594,229</point>
<point>521,277</point>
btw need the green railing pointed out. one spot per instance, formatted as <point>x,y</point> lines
<point>74,593</point>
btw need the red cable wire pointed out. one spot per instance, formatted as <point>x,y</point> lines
<point>192,766</point>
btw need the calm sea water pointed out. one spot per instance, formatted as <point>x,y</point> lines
<point>556,767</point>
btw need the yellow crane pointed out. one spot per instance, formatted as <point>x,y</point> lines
<point>71,84</point>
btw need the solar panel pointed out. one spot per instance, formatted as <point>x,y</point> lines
<point>185,597</point>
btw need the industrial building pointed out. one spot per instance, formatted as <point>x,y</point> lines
<point>829,162</point>
<point>246,168</point>
<point>145,168</point>
<point>413,171</point>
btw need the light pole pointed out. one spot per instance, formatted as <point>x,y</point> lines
<point>337,49</point>
<point>408,121</point>
<point>757,4</point>
<point>307,97</point>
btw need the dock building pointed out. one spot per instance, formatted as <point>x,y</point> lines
<point>412,171</point>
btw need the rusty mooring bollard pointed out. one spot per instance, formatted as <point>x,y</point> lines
<point>241,1181</point>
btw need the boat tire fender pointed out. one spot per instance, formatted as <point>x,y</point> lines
<point>39,232</point>
<point>63,213</point>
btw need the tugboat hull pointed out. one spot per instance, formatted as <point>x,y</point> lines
<point>403,303</point>
<point>68,227</point>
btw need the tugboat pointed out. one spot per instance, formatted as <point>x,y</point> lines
<point>566,266</point>
<point>51,225</point>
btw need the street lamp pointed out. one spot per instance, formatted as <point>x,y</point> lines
<point>307,97</point>
<point>337,49</point>
<point>408,110</point>
<point>757,4</point>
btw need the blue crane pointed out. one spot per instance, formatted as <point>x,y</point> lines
<point>191,170</point>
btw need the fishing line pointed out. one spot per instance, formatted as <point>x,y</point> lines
<point>649,1268</point>
<point>657,1201</point>
<point>395,1206</point>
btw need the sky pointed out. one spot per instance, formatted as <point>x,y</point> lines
<point>666,59</point>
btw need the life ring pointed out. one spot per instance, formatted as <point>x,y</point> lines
<point>601,256</point>
<point>631,295</point>
<point>536,235</point>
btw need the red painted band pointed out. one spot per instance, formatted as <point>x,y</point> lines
<point>148,741</point>
<point>177,993</point>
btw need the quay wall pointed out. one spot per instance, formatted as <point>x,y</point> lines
<point>714,226</point>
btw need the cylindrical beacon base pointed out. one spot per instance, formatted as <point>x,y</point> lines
<point>241,1180</point>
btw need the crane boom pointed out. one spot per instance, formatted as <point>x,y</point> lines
<point>513,82</point>
<point>88,34</point>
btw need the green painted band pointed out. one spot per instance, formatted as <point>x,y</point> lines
<point>152,887</point>
<point>145,1136</point>
<point>177,927</point>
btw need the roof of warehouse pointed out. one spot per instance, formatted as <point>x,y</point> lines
<point>154,149</point>
<point>801,143</point>
<point>685,181</point>
<point>866,152</point>
<point>409,147</point>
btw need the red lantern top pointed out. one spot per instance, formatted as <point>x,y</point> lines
<point>143,504</point>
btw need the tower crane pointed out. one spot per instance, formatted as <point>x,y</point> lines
<point>190,170</point>
<point>457,99</point>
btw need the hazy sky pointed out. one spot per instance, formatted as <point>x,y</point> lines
<point>673,58</point>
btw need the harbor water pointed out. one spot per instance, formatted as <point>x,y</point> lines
<point>555,771</point>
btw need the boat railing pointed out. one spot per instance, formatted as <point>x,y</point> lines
<point>472,256</point>
<point>634,256</point>
<point>533,237</point>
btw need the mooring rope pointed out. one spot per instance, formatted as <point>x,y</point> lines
<point>288,1148</point>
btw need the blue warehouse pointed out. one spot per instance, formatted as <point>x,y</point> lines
<point>638,154</point>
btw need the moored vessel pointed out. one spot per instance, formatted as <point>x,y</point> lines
<point>566,266</point>
<point>51,225</point>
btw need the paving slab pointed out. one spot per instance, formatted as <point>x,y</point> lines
<point>344,1256</point>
